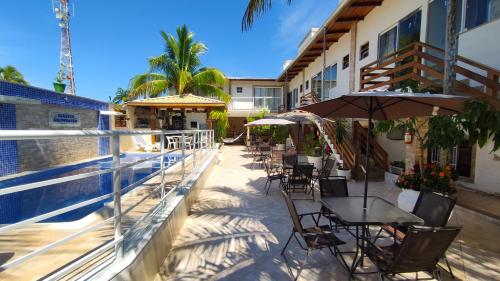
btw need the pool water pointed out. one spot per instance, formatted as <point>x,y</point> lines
<point>30,203</point>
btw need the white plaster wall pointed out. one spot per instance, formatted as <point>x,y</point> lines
<point>481,44</point>
<point>200,117</point>
<point>244,100</point>
<point>394,148</point>
<point>487,170</point>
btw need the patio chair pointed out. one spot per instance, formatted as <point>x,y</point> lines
<point>313,238</point>
<point>273,174</point>
<point>302,176</point>
<point>171,142</point>
<point>141,143</point>
<point>289,160</point>
<point>328,165</point>
<point>188,142</point>
<point>332,186</point>
<point>435,209</point>
<point>261,154</point>
<point>421,250</point>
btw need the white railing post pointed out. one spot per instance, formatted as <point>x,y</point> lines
<point>193,146</point>
<point>117,197</point>
<point>213,139</point>
<point>162,166</point>
<point>183,146</point>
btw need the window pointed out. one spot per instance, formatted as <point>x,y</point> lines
<point>239,90</point>
<point>301,88</point>
<point>478,12</point>
<point>267,97</point>
<point>316,84</point>
<point>295,97</point>
<point>345,62</point>
<point>330,78</point>
<point>307,85</point>
<point>364,51</point>
<point>387,42</point>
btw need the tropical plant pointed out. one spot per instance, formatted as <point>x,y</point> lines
<point>259,130</point>
<point>221,120</point>
<point>313,146</point>
<point>10,74</point>
<point>341,130</point>
<point>179,69</point>
<point>256,8</point>
<point>121,96</point>
<point>279,134</point>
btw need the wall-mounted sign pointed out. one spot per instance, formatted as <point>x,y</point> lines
<point>64,119</point>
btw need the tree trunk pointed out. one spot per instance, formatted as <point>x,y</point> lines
<point>451,47</point>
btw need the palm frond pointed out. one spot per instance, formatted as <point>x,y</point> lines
<point>150,84</point>
<point>184,81</point>
<point>254,9</point>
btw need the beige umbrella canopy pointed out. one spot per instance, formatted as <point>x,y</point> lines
<point>300,116</point>
<point>270,122</point>
<point>385,106</point>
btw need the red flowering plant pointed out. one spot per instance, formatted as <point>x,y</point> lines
<point>433,178</point>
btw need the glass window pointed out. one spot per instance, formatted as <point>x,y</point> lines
<point>316,84</point>
<point>330,78</point>
<point>307,85</point>
<point>364,51</point>
<point>267,97</point>
<point>301,88</point>
<point>295,97</point>
<point>478,12</point>
<point>409,29</point>
<point>387,42</point>
<point>345,62</point>
<point>239,89</point>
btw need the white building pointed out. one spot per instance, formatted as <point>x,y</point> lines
<point>356,49</point>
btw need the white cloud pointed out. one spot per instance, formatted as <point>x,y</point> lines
<point>297,19</point>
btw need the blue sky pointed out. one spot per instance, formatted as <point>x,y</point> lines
<point>112,39</point>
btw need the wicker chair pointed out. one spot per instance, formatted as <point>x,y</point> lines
<point>313,238</point>
<point>421,250</point>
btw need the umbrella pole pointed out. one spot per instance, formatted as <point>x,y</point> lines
<point>367,162</point>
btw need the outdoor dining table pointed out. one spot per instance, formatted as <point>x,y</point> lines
<point>350,212</point>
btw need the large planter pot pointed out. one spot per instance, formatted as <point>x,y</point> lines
<point>344,173</point>
<point>59,87</point>
<point>280,146</point>
<point>316,160</point>
<point>302,158</point>
<point>407,199</point>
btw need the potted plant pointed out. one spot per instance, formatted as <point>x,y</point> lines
<point>433,178</point>
<point>59,86</point>
<point>313,147</point>
<point>279,136</point>
<point>341,133</point>
<point>397,167</point>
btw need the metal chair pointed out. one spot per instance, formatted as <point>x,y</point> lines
<point>273,174</point>
<point>332,186</point>
<point>314,238</point>
<point>302,175</point>
<point>421,250</point>
<point>262,154</point>
<point>435,209</point>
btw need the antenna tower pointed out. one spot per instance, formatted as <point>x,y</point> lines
<point>62,12</point>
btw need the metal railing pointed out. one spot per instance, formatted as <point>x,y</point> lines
<point>202,140</point>
<point>254,103</point>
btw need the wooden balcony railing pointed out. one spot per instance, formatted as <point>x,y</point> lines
<point>423,63</point>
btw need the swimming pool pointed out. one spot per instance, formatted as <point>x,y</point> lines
<point>26,204</point>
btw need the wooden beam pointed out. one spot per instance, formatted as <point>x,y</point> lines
<point>337,31</point>
<point>351,19</point>
<point>366,4</point>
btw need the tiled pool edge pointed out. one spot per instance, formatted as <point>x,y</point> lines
<point>150,243</point>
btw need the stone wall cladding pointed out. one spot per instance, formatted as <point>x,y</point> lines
<point>39,154</point>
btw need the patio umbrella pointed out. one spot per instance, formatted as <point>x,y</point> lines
<point>385,106</point>
<point>270,122</point>
<point>301,117</point>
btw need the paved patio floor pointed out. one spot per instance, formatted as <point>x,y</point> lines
<point>235,232</point>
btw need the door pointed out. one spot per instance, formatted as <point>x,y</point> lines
<point>464,160</point>
<point>409,29</point>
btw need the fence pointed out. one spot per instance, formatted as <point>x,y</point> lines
<point>199,141</point>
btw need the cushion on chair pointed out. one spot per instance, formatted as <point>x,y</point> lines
<point>321,236</point>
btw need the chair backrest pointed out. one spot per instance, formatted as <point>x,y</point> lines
<point>290,159</point>
<point>303,170</point>
<point>333,186</point>
<point>433,208</point>
<point>265,148</point>
<point>327,168</point>
<point>422,249</point>
<point>297,225</point>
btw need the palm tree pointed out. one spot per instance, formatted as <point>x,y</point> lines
<point>254,9</point>
<point>11,74</point>
<point>178,69</point>
<point>121,96</point>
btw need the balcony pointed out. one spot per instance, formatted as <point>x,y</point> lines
<point>255,104</point>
